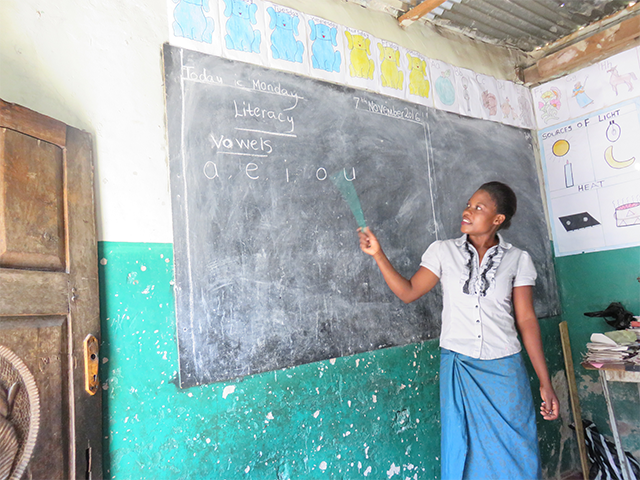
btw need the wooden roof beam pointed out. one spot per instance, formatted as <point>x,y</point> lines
<point>587,51</point>
<point>419,11</point>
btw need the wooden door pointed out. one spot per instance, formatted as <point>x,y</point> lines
<point>48,297</point>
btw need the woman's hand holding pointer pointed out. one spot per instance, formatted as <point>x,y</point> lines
<point>406,290</point>
<point>368,242</point>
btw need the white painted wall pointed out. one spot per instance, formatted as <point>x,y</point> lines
<point>96,65</point>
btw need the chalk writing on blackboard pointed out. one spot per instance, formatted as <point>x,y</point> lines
<point>372,106</point>
<point>248,110</point>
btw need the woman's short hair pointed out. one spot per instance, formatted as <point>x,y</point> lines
<point>505,200</point>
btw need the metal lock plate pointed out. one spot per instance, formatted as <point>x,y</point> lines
<point>91,364</point>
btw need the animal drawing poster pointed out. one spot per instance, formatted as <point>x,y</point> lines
<point>592,173</point>
<point>419,85</point>
<point>393,68</point>
<point>620,77</point>
<point>445,86</point>
<point>195,25</point>
<point>361,59</point>
<point>326,45</point>
<point>508,102</point>
<point>243,30</point>
<point>489,98</point>
<point>287,36</point>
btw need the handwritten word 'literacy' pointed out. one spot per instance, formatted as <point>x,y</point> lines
<point>246,110</point>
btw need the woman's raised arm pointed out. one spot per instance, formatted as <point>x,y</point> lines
<point>406,290</point>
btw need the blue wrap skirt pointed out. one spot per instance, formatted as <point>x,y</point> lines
<point>488,420</point>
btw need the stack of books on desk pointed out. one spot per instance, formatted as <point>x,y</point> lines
<point>613,347</point>
<point>635,327</point>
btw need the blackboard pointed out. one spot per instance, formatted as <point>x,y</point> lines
<point>268,271</point>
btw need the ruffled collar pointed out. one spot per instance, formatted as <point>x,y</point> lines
<point>501,241</point>
<point>480,279</point>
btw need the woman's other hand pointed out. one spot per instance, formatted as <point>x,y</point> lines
<point>550,405</point>
<point>368,241</point>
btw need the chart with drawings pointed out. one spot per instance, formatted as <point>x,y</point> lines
<point>589,90</point>
<point>592,173</point>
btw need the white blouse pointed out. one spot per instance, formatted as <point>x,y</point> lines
<point>477,318</point>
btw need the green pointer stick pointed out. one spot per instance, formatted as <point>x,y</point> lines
<point>350,196</point>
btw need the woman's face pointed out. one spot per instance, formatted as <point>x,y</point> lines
<point>481,216</point>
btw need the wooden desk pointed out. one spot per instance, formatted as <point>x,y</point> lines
<point>617,372</point>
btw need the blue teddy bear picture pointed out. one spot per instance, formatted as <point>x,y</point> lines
<point>191,21</point>
<point>283,39</point>
<point>240,33</point>
<point>323,56</point>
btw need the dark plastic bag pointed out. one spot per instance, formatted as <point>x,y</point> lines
<point>603,456</point>
<point>620,317</point>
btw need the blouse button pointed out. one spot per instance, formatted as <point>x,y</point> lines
<point>477,321</point>
<point>478,336</point>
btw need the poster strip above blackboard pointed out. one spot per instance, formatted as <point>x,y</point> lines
<point>266,34</point>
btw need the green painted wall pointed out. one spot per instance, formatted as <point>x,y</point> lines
<point>587,283</point>
<point>373,415</point>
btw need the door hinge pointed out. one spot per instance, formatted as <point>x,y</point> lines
<point>91,364</point>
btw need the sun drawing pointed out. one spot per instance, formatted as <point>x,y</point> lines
<point>560,148</point>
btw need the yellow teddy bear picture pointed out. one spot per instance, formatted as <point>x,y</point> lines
<point>418,82</point>
<point>361,65</point>
<point>392,76</point>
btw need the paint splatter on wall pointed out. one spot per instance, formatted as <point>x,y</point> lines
<point>373,415</point>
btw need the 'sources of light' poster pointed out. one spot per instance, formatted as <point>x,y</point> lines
<point>592,175</point>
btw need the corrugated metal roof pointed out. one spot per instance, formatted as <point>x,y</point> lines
<point>523,24</point>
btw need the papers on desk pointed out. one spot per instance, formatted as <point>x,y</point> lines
<point>614,347</point>
<point>635,329</point>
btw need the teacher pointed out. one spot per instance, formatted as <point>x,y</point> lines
<point>487,414</point>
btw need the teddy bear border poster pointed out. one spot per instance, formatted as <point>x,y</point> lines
<point>267,34</point>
